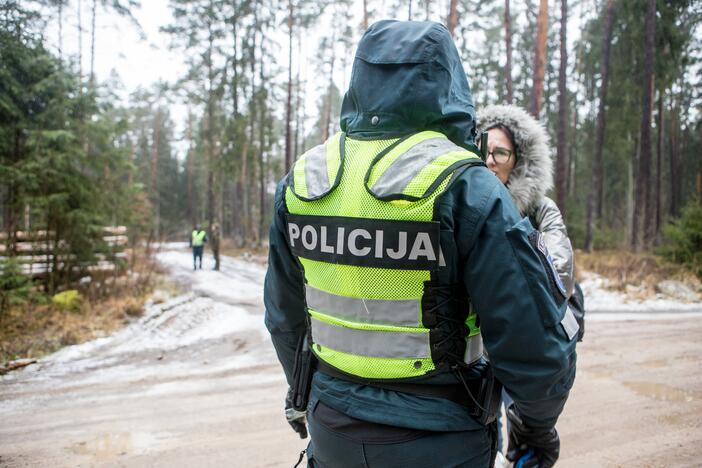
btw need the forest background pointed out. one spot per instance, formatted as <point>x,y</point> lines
<point>616,83</point>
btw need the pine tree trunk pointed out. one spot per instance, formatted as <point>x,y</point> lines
<point>631,170</point>
<point>572,147</point>
<point>246,170</point>
<point>212,210</point>
<point>298,98</point>
<point>80,48</point>
<point>562,145</point>
<point>302,112</point>
<point>262,170</point>
<point>537,89</point>
<point>673,154</point>
<point>288,105</point>
<point>649,230</point>
<point>452,17</point>
<point>597,163</point>
<point>153,187</point>
<point>326,131</point>
<point>659,164</point>
<point>640,237</point>
<point>92,46</point>
<point>60,29</point>
<point>189,170</point>
<point>365,15</point>
<point>508,64</point>
<point>235,64</point>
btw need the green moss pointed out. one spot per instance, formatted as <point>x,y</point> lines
<point>68,300</point>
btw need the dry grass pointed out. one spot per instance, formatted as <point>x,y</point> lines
<point>32,331</point>
<point>36,329</point>
<point>637,271</point>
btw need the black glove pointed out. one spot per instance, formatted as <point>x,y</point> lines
<point>296,419</point>
<point>544,443</point>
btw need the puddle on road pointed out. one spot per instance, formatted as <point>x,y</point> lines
<point>673,419</point>
<point>661,392</point>
<point>596,373</point>
<point>104,447</point>
<point>109,446</point>
<point>656,364</point>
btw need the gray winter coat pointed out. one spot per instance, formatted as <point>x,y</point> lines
<point>531,179</point>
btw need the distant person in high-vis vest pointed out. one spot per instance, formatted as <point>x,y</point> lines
<point>197,242</point>
<point>400,261</point>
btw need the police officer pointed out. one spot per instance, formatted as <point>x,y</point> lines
<point>402,263</point>
<point>197,242</point>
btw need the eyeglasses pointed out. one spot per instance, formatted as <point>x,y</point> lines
<point>499,155</point>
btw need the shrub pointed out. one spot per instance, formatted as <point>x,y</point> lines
<point>683,238</point>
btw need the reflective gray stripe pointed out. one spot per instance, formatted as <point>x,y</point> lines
<point>406,167</point>
<point>474,349</point>
<point>371,343</point>
<point>316,176</point>
<point>570,324</point>
<point>379,311</point>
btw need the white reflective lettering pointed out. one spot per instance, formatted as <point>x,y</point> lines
<point>353,248</point>
<point>340,240</point>
<point>379,243</point>
<point>324,247</point>
<point>422,246</point>
<point>401,247</point>
<point>311,243</point>
<point>293,233</point>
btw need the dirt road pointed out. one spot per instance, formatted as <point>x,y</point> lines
<point>196,383</point>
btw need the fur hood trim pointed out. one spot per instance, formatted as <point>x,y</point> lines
<point>532,177</point>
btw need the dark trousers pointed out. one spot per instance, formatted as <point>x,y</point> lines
<point>339,441</point>
<point>197,253</point>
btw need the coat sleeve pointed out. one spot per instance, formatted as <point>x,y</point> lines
<point>283,291</point>
<point>531,352</point>
<point>550,222</point>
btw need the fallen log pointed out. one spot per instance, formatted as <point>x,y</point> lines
<point>17,364</point>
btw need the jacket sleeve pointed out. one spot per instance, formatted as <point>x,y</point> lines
<point>520,313</point>
<point>283,290</point>
<point>550,222</point>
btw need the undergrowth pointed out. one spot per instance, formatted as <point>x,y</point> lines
<point>642,270</point>
<point>38,326</point>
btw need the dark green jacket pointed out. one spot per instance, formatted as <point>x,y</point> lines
<point>484,241</point>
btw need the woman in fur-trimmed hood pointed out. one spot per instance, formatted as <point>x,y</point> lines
<point>519,153</point>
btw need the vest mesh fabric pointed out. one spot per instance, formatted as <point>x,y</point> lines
<point>351,199</point>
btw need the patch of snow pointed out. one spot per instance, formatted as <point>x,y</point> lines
<point>645,316</point>
<point>199,385</point>
<point>599,299</point>
<point>236,281</point>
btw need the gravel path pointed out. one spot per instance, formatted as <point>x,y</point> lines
<point>196,382</point>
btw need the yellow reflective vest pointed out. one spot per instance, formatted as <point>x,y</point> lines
<point>361,222</point>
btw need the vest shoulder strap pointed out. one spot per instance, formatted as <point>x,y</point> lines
<point>413,169</point>
<point>318,171</point>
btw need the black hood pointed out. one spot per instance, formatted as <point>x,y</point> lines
<point>407,77</point>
